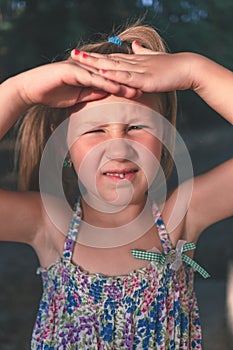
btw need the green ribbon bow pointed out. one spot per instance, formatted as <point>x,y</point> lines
<point>175,257</point>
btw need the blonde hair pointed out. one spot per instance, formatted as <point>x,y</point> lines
<point>36,128</point>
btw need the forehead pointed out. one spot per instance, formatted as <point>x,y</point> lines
<point>123,112</point>
<point>115,112</point>
<point>117,109</point>
<point>112,113</point>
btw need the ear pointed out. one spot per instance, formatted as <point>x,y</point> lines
<point>52,127</point>
<point>138,49</point>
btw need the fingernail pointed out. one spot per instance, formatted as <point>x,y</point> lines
<point>76,52</point>
<point>85,55</point>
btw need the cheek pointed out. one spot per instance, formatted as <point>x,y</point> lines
<point>157,151</point>
<point>151,159</point>
<point>154,148</point>
<point>78,153</point>
<point>85,163</point>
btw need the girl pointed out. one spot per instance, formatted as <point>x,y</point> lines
<point>106,292</point>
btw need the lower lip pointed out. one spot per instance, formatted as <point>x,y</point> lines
<point>128,176</point>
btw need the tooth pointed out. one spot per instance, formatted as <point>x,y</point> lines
<point>121,175</point>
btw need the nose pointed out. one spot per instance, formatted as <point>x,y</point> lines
<point>120,149</point>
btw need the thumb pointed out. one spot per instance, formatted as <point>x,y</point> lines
<point>138,49</point>
<point>91,94</point>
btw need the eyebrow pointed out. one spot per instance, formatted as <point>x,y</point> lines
<point>129,121</point>
<point>91,121</point>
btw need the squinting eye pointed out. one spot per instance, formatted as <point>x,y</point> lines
<point>137,127</point>
<point>94,131</point>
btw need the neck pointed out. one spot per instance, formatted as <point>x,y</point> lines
<point>109,216</point>
<point>101,229</point>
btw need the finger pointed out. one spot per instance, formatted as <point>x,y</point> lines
<point>79,55</point>
<point>90,94</point>
<point>88,68</point>
<point>104,62</point>
<point>95,81</point>
<point>87,78</point>
<point>110,60</point>
<point>123,57</point>
<point>130,93</point>
<point>138,49</point>
<point>76,54</point>
<point>131,79</point>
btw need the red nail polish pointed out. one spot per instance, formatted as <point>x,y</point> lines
<point>76,52</point>
<point>137,43</point>
<point>85,55</point>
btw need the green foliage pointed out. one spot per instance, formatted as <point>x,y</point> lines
<point>34,32</point>
<point>38,31</point>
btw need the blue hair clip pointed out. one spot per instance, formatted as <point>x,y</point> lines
<point>115,40</point>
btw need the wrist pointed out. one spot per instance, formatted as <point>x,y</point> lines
<point>12,105</point>
<point>191,69</point>
<point>14,92</point>
<point>199,70</point>
<point>213,83</point>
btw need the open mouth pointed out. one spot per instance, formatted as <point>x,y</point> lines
<point>121,174</point>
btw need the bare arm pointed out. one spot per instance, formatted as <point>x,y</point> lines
<point>212,197</point>
<point>62,84</point>
<point>214,84</point>
<point>159,72</point>
<point>25,219</point>
<point>20,216</point>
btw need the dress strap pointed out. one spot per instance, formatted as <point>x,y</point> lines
<point>72,233</point>
<point>172,256</point>
<point>163,234</point>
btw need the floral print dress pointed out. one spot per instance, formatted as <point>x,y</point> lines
<point>150,308</point>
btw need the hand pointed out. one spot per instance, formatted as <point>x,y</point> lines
<point>146,70</point>
<point>151,71</point>
<point>64,84</point>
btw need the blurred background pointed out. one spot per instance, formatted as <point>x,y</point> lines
<point>35,32</point>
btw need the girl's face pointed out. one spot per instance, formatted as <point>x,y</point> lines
<point>115,148</point>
